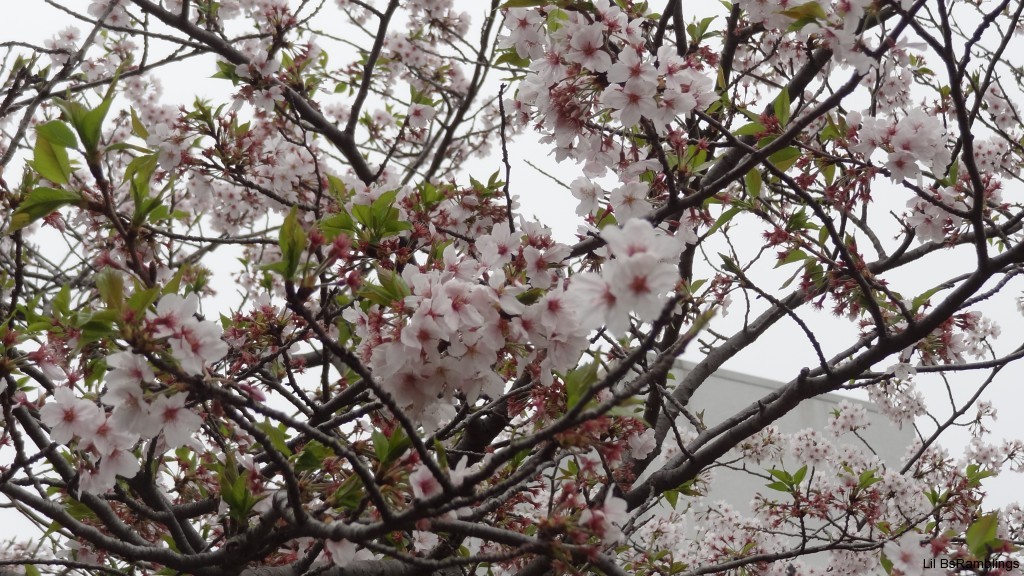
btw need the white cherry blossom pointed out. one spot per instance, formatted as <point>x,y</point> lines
<point>69,416</point>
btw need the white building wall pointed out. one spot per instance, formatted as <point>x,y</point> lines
<point>726,392</point>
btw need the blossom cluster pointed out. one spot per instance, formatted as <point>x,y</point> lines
<point>637,279</point>
<point>140,408</point>
<point>583,67</point>
<point>916,137</point>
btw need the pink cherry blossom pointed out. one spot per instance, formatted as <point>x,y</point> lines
<point>637,236</point>
<point>423,482</point>
<point>343,552</point>
<point>128,370</point>
<point>640,445</point>
<point>607,520</point>
<point>588,193</point>
<point>598,304</point>
<point>630,201</point>
<point>631,65</point>
<point>193,343</point>
<point>420,115</point>
<point>525,28</point>
<point>172,312</point>
<point>906,554</point>
<point>642,283</point>
<point>177,422</point>
<point>116,462</point>
<point>586,48</point>
<point>107,437</point>
<point>197,344</point>
<point>632,101</point>
<point>69,416</point>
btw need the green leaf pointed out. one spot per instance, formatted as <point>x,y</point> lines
<point>138,128</point>
<point>830,131</point>
<point>348,495</point>
<point>688,489</point>
<point>795,255</point>
<point>91,128</point>
<point>672,496</point>
<point>391,289</point>
<point>138,174</point>
<point>753,183</point>
<point>925,296</point>
<point>954,171</point>
<point>442,454</point>
<point>798,221</point>
<point>728,264</point>
<point>430,194</point>
<point>886,563</point>
<point>380,445</point>
<point>975,474</point>
<point>750,114</point>
<point>292,239</point>
<point>61,304</point>
<point>750,129</point>
<point>692,288</point>
<point>808,10</point>
<point>398,443</point>
<point>519,458</point>
<point>95,326</point>
<point>530,296</point>
<point>57,133</point>
<point>110,284</point>
<point>40,203</point>
<point>380,219</point>
<point>785,158</point>
<point>362,214</point>
<point>51,161</point>
<point>724,219</point>
<point>578,381</point>
<point>866,479</point>
<point>334,225</point>
<point>120,146</point>
<point>828,170</point>
<point>798,25</point>
<point>277,435</point>
<point>782,105</point>
<point>158,213</point>
<point>311,457</point>
<point>88,123</point>
<point>380,207</point>
<point>512,59</point>
<point>142,299</point>
<point>338,189</point>
<point>235,493</point>
<point>79,511</point>
<point>780,486</point>
<point>981,535</point>
<point>800,474</point>
<point>174,285</point>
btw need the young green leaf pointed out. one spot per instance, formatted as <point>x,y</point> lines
<point>981,535</point>
<point>51,161</point>
<point>39,204</point>
<point>57,133</point>
<point>292,239</point>
<point>781,107</point>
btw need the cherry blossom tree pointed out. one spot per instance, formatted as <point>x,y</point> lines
<point>307,328</point>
